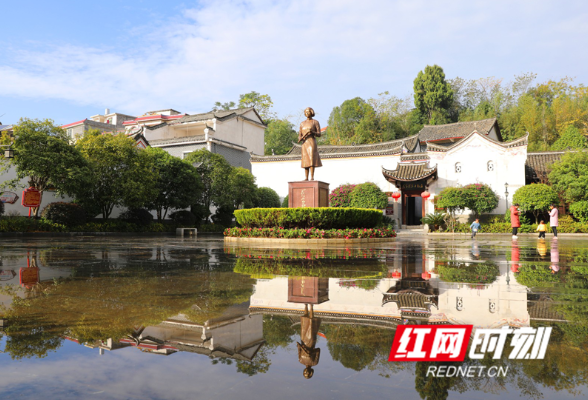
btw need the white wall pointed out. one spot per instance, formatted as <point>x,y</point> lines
<point>335,171</point>
<point>473,155</point>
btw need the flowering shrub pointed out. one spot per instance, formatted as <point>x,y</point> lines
<point>341,196</point>
<point>307,217</point>
<point>308,254</point>
<point>309,233</point>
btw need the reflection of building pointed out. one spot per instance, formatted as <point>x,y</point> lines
<point>235,334</point>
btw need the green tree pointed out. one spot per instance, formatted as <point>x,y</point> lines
<point>44,156</point>
<point>433,95</point>
<point>262,102</point>
<point>267,198</point>
<point>570,139</point>
<point>178,183</point>
<point>479,198</point>
<point>452,200</point>
<point>368,195</point>
<point>569,176</point>
<point>119,174</point>
<point>214,172</point>
<point>535,198</point>
<point>279,136</point>
<point>355,121</point>
<point>242,188</point>
<point>218,106</point>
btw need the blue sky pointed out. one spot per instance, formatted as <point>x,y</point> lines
<point>68,60</point>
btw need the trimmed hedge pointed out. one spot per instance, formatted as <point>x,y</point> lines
<point>184,218</point>
<point>24,224</point>
<point>138,216</point>
<point>368,195</point>
<point>69,214</point>
<point>480,273</point>
<point>308,217</point>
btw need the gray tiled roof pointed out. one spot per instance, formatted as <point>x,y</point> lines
<point>457,130</point>
<point>409,172</point>
<point>537,165</point>
<point>361,150</point>
<point>522,141</point>
<point>185,139</point>
<point>5,127</point>
<point>220,115</point>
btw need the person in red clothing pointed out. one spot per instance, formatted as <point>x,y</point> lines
<point>515,223</point>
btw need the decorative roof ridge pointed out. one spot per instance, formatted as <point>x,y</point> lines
<point>401,141</point>
<point>549,152</point>
<point>505,145</point>
<point>288,156</point>
<point>460,122</point>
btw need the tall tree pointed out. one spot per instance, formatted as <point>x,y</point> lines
<point>44,156</point>
<point>279,136</point>
<point>569,176</point>
<point>262,102</point>
<point>120,174</point>
<point>218,106</point>
<point>214,172</point>
<point>355,121</point>
<point>178,183</point>
<point>433,95</point>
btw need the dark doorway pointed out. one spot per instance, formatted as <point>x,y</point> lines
<point>414,210</point>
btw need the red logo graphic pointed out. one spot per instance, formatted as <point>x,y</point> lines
<point>430,343</point>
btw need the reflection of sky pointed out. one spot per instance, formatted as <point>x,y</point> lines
<point>75,371</point>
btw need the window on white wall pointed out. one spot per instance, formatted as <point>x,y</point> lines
<point>457,168</point>
<point>490,165</point>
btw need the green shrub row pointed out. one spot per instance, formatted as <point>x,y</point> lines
<point>324,218</point>
<point>573,227</point>
<point>483,273</point>
<point>24,224</point>
<point>309,233</point>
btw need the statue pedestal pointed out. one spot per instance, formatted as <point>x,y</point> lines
<point>308,194</point>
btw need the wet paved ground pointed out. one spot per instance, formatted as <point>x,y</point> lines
<point>142,318</point>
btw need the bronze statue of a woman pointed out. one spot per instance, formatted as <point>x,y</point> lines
<point>309,129</point>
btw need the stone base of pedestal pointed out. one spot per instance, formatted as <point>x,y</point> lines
<point>308,194</point>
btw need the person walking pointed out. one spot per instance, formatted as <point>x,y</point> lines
<point>541,228</point>
<point>515,223</point>
<point>554,219</point>
<point>475,227</point>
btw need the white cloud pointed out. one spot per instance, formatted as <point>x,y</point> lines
<point>300,52</point>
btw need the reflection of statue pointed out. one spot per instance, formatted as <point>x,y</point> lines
<point>309,129</point>
<point>308,355</point>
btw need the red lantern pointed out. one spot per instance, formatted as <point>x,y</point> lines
<point>425,195</point>
<point>426,275</point>
<point>396,196</point>
<point>396,275</point>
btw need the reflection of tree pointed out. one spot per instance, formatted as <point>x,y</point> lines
<point>277,331</point>
<point>482,273</point>
<point>430,387</point>
<point>358,347</point>
<point>259,365</point>
<point>268,268</point>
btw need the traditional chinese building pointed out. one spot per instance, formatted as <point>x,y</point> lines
<point>437,157</point>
